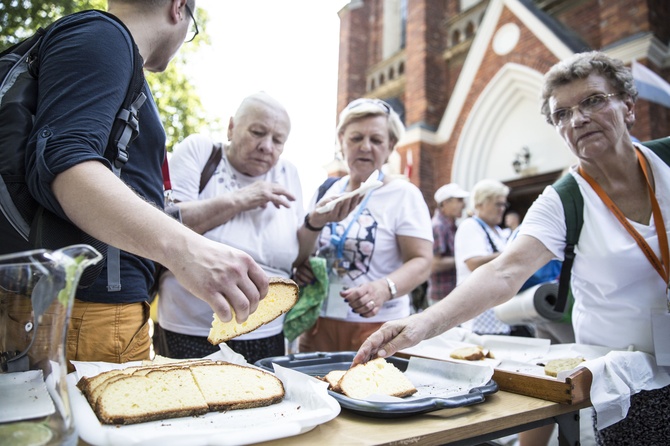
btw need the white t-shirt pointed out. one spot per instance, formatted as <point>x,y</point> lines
<point>268,235</point>
<point>614,285</point>
<point>471,241</point>
<point>397,208</point>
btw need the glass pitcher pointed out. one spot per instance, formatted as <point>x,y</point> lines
<point>36,296</point>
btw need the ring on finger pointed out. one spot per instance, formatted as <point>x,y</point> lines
<point>371,304</point>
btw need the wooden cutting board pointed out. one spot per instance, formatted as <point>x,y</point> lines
<point>574,390</point>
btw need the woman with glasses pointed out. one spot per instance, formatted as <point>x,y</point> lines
<point>377,247</point>
<point>479,240</point>
<point>620,273</point>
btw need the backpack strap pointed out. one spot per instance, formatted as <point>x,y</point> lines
<point>324,187</point>
<point>125,129</point>
<point>210,166</point>
<point>660,147</point>
<point>573,208</point>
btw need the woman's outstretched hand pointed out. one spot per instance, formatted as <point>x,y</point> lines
<point>392,337</point>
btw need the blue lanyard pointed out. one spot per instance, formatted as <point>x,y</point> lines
<point>338,240</point>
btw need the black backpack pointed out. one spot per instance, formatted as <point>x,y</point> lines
<point>573,209</point>
<point>24,223</point>
<point>325,186</point>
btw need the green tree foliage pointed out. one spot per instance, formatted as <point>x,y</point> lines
<point>178,103</point>
<point>20,18</point>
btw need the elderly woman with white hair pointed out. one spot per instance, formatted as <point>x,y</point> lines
<point>378,247</point>
<point>478,241</point>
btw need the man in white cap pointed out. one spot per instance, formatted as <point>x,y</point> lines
<point>450,200</point>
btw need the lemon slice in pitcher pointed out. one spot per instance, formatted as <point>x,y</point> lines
<point>25,434</point>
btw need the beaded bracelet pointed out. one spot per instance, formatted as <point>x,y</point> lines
<point>309,226</point>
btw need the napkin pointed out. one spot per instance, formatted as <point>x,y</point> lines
<point>24,395</point>
<point>617,376</point>
<point>370,184</point>
<point>306,311</point>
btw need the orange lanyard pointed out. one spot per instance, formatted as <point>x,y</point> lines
<point>662,266</point>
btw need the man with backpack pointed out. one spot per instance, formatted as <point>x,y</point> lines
<point>621,267</point>
<point>85,67</point>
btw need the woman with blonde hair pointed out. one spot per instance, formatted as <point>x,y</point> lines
<point>378,248</point>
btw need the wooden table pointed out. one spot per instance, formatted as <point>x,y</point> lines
<point>502,414</point>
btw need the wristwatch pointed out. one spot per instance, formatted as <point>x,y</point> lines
<point>392,288</point>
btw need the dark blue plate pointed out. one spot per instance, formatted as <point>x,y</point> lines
<point>320,363</point>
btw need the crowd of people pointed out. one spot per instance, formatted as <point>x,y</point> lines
<point>248,220</point>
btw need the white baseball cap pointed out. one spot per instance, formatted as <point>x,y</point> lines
<point>451,190</point>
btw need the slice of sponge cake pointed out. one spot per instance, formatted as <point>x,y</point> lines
<point>157,395</point>
<point>333,379</point>
<point>141,394</point>
<point>375,377</point>
<point>281,297</point>
<point>469,353</point>
<point>231,386</point>
<point>558,365</point>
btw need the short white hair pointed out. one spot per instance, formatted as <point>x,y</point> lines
<point>487,189</point>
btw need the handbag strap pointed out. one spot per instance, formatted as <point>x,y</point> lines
<point>210,166</point>
<point>483,225</point>
<point>573,210</point>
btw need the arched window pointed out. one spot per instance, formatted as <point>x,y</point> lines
<point>469,30</point>
<point>394,19</point>
<point>455,37</point>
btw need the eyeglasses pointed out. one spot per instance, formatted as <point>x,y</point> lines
<point>501,204</point>
<point>191,32</point>
<point>586,106</point>
<point>378,102</point>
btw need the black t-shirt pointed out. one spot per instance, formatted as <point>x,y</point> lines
<point>85,71</point>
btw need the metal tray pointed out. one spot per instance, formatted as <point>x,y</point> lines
<point>320,363</point>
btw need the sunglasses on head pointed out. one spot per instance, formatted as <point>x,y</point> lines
<point>378,102</point>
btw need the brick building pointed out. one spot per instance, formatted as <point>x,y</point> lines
<point>465,76</point>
